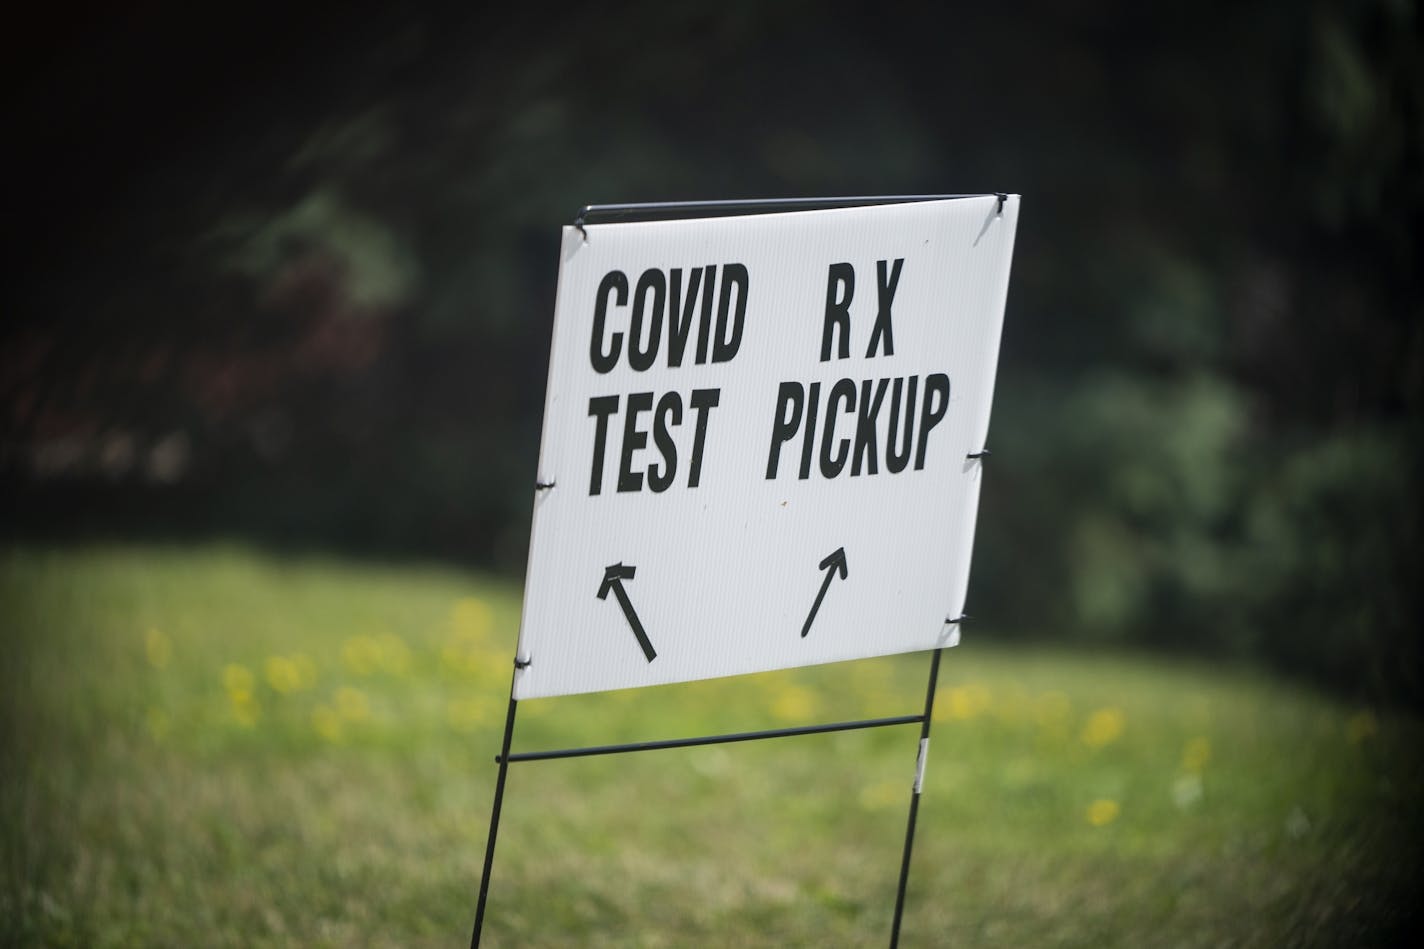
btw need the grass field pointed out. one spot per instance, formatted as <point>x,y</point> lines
<point>216,747</point>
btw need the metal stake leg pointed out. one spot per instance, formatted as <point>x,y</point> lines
<point>915,798</point>
<point>494,823</point>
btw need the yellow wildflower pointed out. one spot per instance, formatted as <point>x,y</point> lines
<point>238,680</point>
<point>794,703</point>
<point>1104,727</point>
<point>282,674</point>
<point>471,617</point>
<point>352,705</point>
<point>457,656</point>
<point>362,655</point>
<point>1195,755</point>
<point>158,648</point>
<point>245,710</point>
<point>536,709</point>
<point>1102,812</point>
<point>465,714</point>
<point>306,671</point>
<point>964,702</point>
<point>326,722</point>
<point>886,794</point>
<point>393,654</point>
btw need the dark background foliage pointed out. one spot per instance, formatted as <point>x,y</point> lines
<point>288,275</point>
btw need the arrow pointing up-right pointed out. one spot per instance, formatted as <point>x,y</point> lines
<point>833,564</point>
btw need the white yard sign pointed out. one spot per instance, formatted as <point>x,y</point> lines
<point>758,431</point>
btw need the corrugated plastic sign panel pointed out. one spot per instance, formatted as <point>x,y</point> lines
<point>757,430</point>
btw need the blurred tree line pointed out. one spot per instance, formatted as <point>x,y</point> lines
<point>289,275</point>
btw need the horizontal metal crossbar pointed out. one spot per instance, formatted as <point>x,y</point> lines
<point>710,739</point>
<point>651,210</point>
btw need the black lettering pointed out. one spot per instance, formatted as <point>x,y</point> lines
<point>789,396</point>
<point>660,476</point>
<point>865,427</point>
<point>641,359</point>
<point>633,440</point>
<point>930,417</point>
<point>680,313</point>
<point>895,461</point>
<point>885,292</point>
<point>844,391</point>
<point>600,408</point>
<point>838,310</point>
<point>808,441</point>
<point>703,401</point>
<point>704,325</point>
<point>729,340</point>
<point>616,282</point>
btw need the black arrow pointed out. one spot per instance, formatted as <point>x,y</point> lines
<point>613,578</point>
<point>836,562</point>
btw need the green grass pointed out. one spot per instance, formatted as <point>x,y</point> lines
<point>215,747</point>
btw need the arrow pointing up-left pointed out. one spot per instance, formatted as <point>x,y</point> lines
<point>613,577</point>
